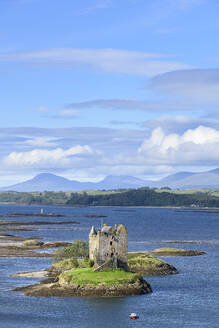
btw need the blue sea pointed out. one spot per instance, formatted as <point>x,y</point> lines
<point>189,299</point>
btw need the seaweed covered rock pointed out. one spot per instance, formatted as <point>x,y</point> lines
<point>168,251</point>
<point>85,282</point>
<point>149,265</point>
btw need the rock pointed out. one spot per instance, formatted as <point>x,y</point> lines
<point>149,265</point>
<point>162,269</point>
<point>50,288</point>
<point>33,243</point>
<point>33,274</point>
<point>175,252</point>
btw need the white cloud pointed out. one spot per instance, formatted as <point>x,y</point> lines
<point>178,123</point>
<point>68,112</point>
<point>40,142</point>
<point>133,104</point>
<point>198,146</point>
<point>46,158</point>
<point>196,85</point>
<point>113,61</point>
<point>101,152</point>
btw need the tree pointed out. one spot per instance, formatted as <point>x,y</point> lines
<point>79,249</point>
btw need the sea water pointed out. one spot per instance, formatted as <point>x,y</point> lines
<point>189,299</point>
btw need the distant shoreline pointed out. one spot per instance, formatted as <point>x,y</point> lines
<point>190,209</point>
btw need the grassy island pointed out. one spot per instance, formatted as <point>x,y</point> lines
<point>149,265</point>
<point>169,251</point>
<point>75,274</point>
<point>84,276</point>
<point>86,282</point>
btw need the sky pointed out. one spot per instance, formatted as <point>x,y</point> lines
<point>108,87</point>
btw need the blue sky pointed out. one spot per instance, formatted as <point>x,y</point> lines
<point>97,87</point>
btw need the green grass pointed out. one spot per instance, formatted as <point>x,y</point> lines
<point>99,192</point>
<point>169,250</point>
<point>207,191</point>
<point>64,264</point>
<point>70,264</point>
<point>142,260</point>
<point>87,276</point>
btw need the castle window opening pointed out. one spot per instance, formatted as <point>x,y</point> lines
<point>108,242</point>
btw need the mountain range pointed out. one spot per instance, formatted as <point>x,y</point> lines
<point>180,180</point>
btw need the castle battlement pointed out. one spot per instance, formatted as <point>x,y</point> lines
<point>109,243</point>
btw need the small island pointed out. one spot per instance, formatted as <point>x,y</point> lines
<point>105,272</point>
<point>169,251</point>
<point>103,267</point>
<point>149,265</point>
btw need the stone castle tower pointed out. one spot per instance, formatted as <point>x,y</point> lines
<point>110,244</point>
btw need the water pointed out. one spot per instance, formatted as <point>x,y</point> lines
<point>187,300</point>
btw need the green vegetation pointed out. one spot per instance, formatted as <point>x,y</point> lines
<point>87,276</point>
<point>65,264</point>
<point>205,191</point>
<point>100,192</point>
<point>142,260</point>
<point>31,198</point>
<point>73,263</point>
<point>79,249</point>
<point>170,250</point>
<point>145,197</point>
<point>122,197</point>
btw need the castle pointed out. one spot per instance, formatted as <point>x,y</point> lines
<point>109,245</point>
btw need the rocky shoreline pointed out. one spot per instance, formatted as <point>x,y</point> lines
<point>50,287</point>
<point>162,269</point>
<point>140,263</point>
<point>57,285</point>
<point>16,246</point>
<point>175,252</point>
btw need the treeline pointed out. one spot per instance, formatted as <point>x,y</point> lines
<point>144,197</point>
<point>129,197</point>
<point>34,198</point>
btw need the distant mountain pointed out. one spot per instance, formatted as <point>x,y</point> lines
<point>184,180</point>
<point>175,177</point>
<point>52,182</point>
<point>180,180</point>
<point>214,171</point>
<point>119,182</point>
<point>198,180</point>
<point>42,182</point>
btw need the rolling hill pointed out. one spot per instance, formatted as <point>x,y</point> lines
<point>180,180</point>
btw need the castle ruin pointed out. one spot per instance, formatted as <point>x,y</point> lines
<point>109,245</point>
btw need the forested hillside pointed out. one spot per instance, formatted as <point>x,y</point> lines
<point>126,197</point>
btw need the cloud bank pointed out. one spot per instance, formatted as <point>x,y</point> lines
<point>194,147</point>
<point>124,151</point>
<point>113,61</point>
<point>57,157</point>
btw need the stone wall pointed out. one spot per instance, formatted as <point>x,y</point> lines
<point>109,243</point>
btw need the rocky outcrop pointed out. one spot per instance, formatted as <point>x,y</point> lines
<point>32,274</point>
<point>149,265</point>
<point>49,288</point>
<point>161,269</point>
<point>175,252</point>
<point>14,246</point>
